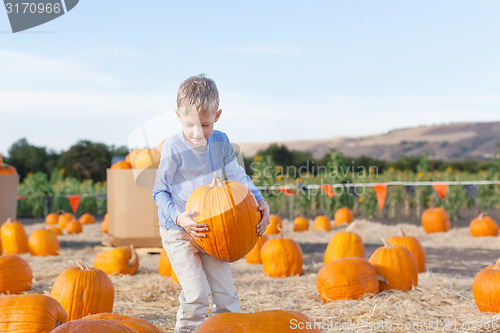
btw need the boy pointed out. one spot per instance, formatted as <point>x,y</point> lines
<point>188,160</point>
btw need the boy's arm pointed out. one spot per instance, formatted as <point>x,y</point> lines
<point>162,192</point>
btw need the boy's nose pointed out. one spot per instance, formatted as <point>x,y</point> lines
<point>197,132</point>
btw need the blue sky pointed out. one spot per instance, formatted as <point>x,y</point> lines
<point>285,70</point>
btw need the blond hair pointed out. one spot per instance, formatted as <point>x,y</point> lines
<point>198,93</point>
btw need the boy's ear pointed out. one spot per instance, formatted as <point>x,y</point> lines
<point>177,114</point>
<point>217,115</point>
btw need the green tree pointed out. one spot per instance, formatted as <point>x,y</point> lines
<point>86,160</point>
<point>27,158</point>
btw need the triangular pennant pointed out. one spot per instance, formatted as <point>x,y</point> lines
<point>440,189</point>
<point>328,190</point>
<point>410,189</point>
<point>74,201</point>
<point>19,197</point>
<point>301,186</point>
<point>286,191</point>
<point>381,191</point>
<point>472,190</point>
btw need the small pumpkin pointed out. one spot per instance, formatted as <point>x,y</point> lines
<point>486,288</point>
<point>483,225</point>
<point>345,244</point>
<point>275,321</point>
<point>347,278</point>
<point>105,224</point>
<point>122,260</point>
<point>322,222</point>
<point>93,326</point>
<point>30,313</point>
<point>165,267</point>
<point>300,223</point>
<point>56,230</point>
<point>64,218</point>
<point>435,220</point>
<point>397,265</point>
<point>147,159</point>
<point>15,274</point>
<point>281,257</point>
<point>86,219</point>
<point>140,325</point>
<point>412,244</point>
<point>82,290</point>
<point>74,227</point>
<point>231,213</point>
<point>275,225</point>
<point>14,239</point>
<point>8,170</point>
<point>253,257</point>
<point>43,243</point>
<point>343,215</point>
<point>120,165</point>
<point>52,218</point>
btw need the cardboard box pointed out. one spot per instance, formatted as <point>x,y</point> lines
<point>9,185</point>
<point>132,212</point>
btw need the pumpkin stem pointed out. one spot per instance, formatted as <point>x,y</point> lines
<point>496,267</point>
<point>387,245</point>
<point>480,217</point>
<point>9,220</point>
<point>401,232</point>
<point>133,257</point>
<point>351,227</point>
<point>280,229</point>
<point>217,181</point>
<point>381,278</point>
<point>82,264</point>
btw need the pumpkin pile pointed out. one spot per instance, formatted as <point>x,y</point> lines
<point>6,169</point>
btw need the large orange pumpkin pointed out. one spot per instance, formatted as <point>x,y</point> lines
<point>122,260</point>
<point>322,222</point>
<point>52,218</point>
<point>483,226</point>
<point>253,257</point>
<point>345,244</point>
<point>435,220</point>
<point>15,274</point>
<point>86,219</point>
<point>140,325</point>
<point>14,239</point>
<point>300,223</point>
<point>273,321</point>
<point>281,257</point>
<point>30,313</point>
<point>164,266</point>
<point>412,244</point>
<point>275,225</point>
<point>347,278</point>
<point>93,326</point>
<point>231,213</point>
<point>397,265</point>
<point>343,215</point>
<point>82,290</point>
<point>43,243</point>
<point>486,288</point>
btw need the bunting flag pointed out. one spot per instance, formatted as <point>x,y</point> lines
<point>328,190</point>
<point>74,201</point>
<point>102,196</point>
<point>472,190</point>
<point>410,189</point>
<point>19,197</point>
<point>440,189</point>
<point>301,186</point>
<point>286,191</point>
<point>381,191</point>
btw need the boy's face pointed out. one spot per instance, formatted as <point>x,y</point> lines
<point>198,127</point>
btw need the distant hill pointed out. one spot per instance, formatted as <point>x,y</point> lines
<point>450,142</point>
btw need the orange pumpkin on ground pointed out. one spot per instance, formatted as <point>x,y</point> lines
<point>483,226</point>
<point>164,266</point>
<point>486,288</point>
<point>343,215</point>
<point>64,218</point>
<point>347,278</point>
<point>253,257</point>
<point>13,236</point>
<point>30,313</point>
<point>56,230</point>
<point>105,224</point>
<point>397,265</point>
<point>93,326</point>
<point>231,213</point>
<point>74,227</point>
<point>52,218</point>
<point>82,290</point>
<point>275,225</point>
<point>122,260</point>
<point>15,274</point>
<point>300,224</point>
<point>43,243</point>
<point>273,321</point>
<point>412,244</point>
<point>86,219</point>
<point>322,222</point>
<point>435,220</point>
<point>345,244</point>
<point>281,257</point>
<point>121,165</point>
<point>140,325</point>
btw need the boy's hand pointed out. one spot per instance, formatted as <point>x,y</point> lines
<point>193,228</point>
<point>264,221</point>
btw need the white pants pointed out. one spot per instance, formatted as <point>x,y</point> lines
<point>200,275</point>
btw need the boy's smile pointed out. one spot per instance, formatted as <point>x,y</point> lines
<point>197,128</point>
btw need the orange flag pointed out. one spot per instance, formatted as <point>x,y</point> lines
<point>74,201</point>
<point>381,191</point>
<point>440,189</point>
<point>286,191</point>
<point>328,190</point>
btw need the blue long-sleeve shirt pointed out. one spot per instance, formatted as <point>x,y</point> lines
<point>183,169</point>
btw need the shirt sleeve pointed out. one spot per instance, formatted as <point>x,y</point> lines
<point>234,171</point>
<point>162,191</point>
